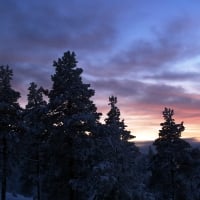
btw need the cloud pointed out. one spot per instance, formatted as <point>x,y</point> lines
<point>174,76</point>
<point>147,97</point>
<point>141,104</point>
<point>174,42</point>
<point>126,49</point>
<point>35,25</point>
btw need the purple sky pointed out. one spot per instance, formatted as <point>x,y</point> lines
<point>147,53</point>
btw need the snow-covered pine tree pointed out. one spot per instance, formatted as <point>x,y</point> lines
<point>113,172</point>
<point>172,160</point>
<point>68,91</point>
<point>194,179</point>
<point>113,120</point>
<point>34,141</point>
<point>124,154</point>
<point>72,116</point>
<point>9,125</point>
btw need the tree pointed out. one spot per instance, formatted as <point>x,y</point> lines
<point>194,179</point>
<point>123,154</point>
<point>34,140</point>
<point>113,170</point>
<point>68,91</point>
<point>114,121</point>
<point>171,161</point>
<point>9,124</point>
<point>72,117</point>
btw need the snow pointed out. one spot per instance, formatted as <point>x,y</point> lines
<point>16,197</point>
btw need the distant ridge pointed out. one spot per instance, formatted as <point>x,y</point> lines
<point>144,145</point>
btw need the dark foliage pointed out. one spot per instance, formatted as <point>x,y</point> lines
<point>58,149</point>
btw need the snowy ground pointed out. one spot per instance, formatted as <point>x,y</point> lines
<point>16,197</point>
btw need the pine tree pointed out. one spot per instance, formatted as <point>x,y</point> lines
<point>9,125</point>
<point>172,159</point>
<point>112,175</point>
<point>124,153</point>
<point>194,179</point>
<point>72,117</point>
<point>34,140</point>
<point>68,91</point>
<point>170,130</point>
<point>114,120</point>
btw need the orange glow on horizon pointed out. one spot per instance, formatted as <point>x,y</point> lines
<point>145,123</point>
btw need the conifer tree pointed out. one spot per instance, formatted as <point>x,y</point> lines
<point>68,91</point>
<point>72,117</point>
<point>34,140</point>
<point>9,125</point>
<point>171,158</point>
<point>123,153</point>
<point>113,120</point>
<point>113,173</point>
<point>194,179</point>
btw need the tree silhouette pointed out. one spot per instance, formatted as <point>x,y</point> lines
<point>72,116</point>
<point>34,138</point>
<point>113,120</point>
<point>9,125</point>
<point>172,155</point>
<point>170,130</point>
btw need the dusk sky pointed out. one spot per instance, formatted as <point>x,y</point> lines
<point>147,53</point>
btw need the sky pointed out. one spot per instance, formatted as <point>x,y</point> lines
<point>147,53</point>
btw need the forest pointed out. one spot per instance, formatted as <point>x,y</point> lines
<point>56,147</point>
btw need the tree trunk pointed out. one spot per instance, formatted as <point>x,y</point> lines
<point>38,174</point>
<point>71,169</point>
<point>4,169</point>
